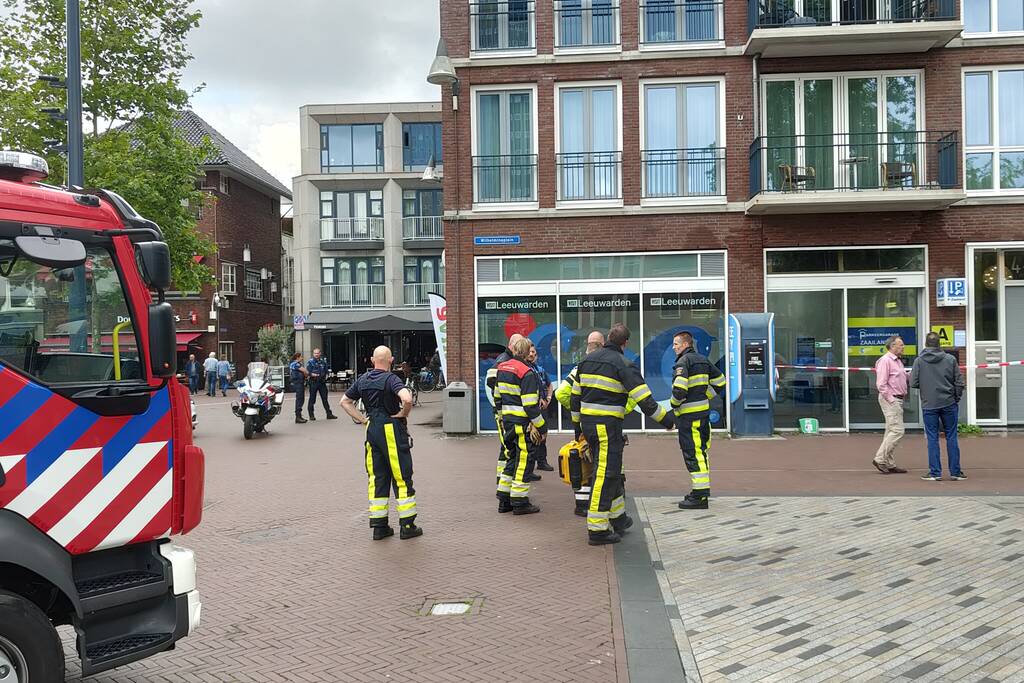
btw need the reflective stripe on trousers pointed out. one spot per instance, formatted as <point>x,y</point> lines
<point>520,451</point>
<point>389,469</point>
<point>694,441</point>
<point>607,500</point>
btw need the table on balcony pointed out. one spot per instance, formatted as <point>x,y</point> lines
<point>854,164</point>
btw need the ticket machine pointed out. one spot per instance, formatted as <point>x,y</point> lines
<point>752,373</point>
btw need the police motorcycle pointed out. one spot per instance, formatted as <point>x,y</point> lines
<point>259,400</point>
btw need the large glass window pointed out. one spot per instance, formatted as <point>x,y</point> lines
<point>599,267</point>
<point>502,24</point>
<point>505,164</point>
<point>352,148</point>
<point>589,157</point>
<point>994,130</point>
<point>352,215</point>
<point>229,278</point>
<point>422,203</point>
<point>66,325</point>
<point>683,155</point>
<point>679,21</point>
<point>253,285</point>
<point>420,142</point>
<point>993,16</point>
<point>586,23</point>
<point>845,260</point>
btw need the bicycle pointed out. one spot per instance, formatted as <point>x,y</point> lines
<point>426,381</point>
<point>411,386</point>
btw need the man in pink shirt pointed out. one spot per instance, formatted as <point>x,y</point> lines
<point>891,380</point>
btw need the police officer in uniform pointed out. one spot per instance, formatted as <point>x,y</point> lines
<point>388,446</point>
<point>297,373</point>
<point>490,384</point>
<point>605,382</point>
<point>317,368</point>
<point>517,391</point>
<point>695,381</point>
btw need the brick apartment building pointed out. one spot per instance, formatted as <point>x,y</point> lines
<point>667,162</point>
<point>243,218</point>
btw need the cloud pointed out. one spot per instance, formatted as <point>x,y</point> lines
<point>261,60</point>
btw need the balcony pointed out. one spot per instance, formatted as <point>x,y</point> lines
<point>416,292</point>
<point>351,233</point>
<point>589,176</point>
<point>352,296</point>
<point>798,28</point>
<point>683,174</point>
<point>423,232</point>
<point>582,26</point>
<point>501,27</point>
<point>673,24</point>
<point>897,171</point>
<point>505,179</point>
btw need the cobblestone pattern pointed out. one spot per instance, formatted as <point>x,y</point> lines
<point>853,589</point>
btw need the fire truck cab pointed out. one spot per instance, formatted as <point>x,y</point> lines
<point>97,464</point>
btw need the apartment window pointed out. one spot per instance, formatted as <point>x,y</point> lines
<point>422,203</point>
<point>420,142</point>
<point>352,215</point>
<point>253,285</point>
<point>228,278</point>
<point>227,351</point>
<point>501,25</point>
<point>352,148</point>
<point>505,159</point>
<point>352,271</point>
<point>586,23</point>
<point>683,153</point>
<point>589,157</point>
<point>993,16</point>
<point>423,269</point>
<point>668,22</point>
<point>994,130</point>
<point>288,284</point>
<point>225,184</point>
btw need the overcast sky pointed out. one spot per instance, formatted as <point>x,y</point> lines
<point>263,59</point>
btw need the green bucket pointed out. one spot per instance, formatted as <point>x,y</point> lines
<point>808,425</point>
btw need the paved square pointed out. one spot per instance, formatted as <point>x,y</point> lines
<point>846,588</point>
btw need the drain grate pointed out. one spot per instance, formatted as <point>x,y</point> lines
<point>449,607</point>
<point>441,609</point>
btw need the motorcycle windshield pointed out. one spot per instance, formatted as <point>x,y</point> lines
<point>257,373</point>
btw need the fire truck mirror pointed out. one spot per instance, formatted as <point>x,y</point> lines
<point>55,252</point>
<point>155,262</point>
<point>162,345</point>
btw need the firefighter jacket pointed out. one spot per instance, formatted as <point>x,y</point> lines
<point>517,392</point>
<point>605,383</point>
<point>563,394</point>
<point>491,381</point>
<point>695,381</point>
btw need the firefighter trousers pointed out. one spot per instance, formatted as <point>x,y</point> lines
<point>608,494</point>
<point>389,468</point>
<point>504,485</point>
<point>695,440</point>
<point>520,452</point>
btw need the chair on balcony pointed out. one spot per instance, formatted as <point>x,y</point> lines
<point>896,173</point>
<point>792,178</point>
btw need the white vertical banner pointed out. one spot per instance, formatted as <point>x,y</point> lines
<point>439,314</point>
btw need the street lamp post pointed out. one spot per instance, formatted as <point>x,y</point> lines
<point>76,168</point>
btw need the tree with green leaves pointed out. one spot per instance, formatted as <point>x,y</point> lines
<point>133,55</point>
<point>273,342</point>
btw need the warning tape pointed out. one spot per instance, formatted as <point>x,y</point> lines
<point>831,368</point>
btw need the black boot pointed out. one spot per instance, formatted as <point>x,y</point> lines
<point>531,477</point>
<point>332,416</point>
<point>603,537</point>
<point>410,531</point>
<point>581,509</point>
<point>620,524</point>
<point>382,532</point>
<point>504,503</point>
<point>524,507</point>
<point>299,420</point>
<point>543,465</point>
<point>312,417</point>
<point>694,501</point>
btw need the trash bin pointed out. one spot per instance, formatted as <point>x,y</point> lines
<point>458,409</point>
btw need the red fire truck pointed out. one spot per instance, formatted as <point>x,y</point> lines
<point>97,464</point>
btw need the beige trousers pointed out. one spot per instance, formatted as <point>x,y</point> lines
<point>893,413</point>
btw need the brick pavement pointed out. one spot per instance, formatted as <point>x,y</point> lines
<point>295,590</point>
<point>846,588</point>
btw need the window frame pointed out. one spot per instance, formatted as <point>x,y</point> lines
<point>417,263</point>
<point>250,290</point>
<point>325,146</point>
<point>993,23</point>
<point>589,87</point>
<point>586,8</point>
<point>680,21</point>
<point>505,90</point>
<point>475,52</point>
<point>995,148</point>
<point>375,269</point>
<point>225,268</point>
<point>438,148</point>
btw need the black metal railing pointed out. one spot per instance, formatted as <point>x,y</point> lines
<point>855,161</point>
<point>671,173</point>
<point>501,178</point>
<point>588,176</point>
<point>680,21</point>
<point>579,23</point>
<point>502,25</point>
<point>791,13</point>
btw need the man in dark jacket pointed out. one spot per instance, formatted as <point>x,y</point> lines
<point>937,377</point>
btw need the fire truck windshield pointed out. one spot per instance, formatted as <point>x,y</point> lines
<point>66,325</point>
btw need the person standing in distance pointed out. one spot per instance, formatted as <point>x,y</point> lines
<point>891,381</point>
<point>388,446</point>
<point>937,377</point>
<point>695,381</point>
<point>490,384</point>
<point>210,369</point>
<point>223,375</point>
<point>192,373</point>
<point>317,368</point>
<point>297,373</point>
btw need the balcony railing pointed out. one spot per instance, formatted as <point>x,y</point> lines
<point>666,22</point>
<point>351,229</point>
<point>589,176</point>
<point>505,178</point>
<point>795,13</point>
<point>423,228</point>
<point>352,296</point>
<point>416,292</point>
<point>502,25</point>
<point>586,23</point>
<point>672,173</point>
<point>854,161</point>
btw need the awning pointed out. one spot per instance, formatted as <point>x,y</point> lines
<point>186,338</point>
<point>384,323</point>
<point>370,320</point>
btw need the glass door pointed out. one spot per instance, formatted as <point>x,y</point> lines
<point>874,315</point>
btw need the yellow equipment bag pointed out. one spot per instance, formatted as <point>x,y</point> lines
<point>574,463</point>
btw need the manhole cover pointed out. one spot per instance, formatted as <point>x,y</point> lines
<point>448,607</point>
<point>441,609</point>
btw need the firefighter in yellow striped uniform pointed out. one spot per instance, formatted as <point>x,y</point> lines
<point>605,382</point>
<point>490,384</point>
<point>517,391</point>
<point>695,381</point>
